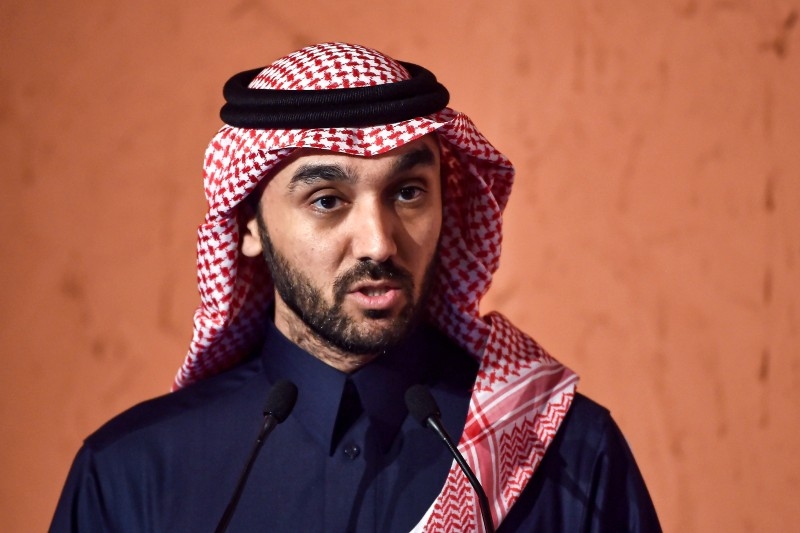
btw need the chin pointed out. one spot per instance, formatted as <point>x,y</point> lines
<point>385,315</point>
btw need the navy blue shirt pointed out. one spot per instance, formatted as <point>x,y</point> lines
<point>171,464</point>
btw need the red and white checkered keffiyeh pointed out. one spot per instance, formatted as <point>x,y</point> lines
<point>521,394</point>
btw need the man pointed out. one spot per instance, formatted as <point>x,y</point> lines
<point>354,225</point>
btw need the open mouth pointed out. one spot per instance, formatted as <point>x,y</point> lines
<point>373,295</point>
<point>374,291</point>
<point>375,287</point>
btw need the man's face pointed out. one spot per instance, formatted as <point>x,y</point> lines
<point>350,243</point>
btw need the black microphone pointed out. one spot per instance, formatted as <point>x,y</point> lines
<point>280,402</point>
<point>423,407</point>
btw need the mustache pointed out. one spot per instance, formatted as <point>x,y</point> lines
<point>375,272</point>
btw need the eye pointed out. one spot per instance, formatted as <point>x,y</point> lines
<point>409,193</point>
<point>327,203</point>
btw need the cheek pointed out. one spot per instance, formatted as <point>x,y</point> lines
<point>431,239</point>
<point>426,240</point>
<point>311,253</point>
<point>305,248</point>
<point>433,227</point>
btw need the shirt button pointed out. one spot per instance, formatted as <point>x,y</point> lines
<point>352,451</point>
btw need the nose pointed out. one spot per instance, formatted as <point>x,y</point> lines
<point>373,233</point>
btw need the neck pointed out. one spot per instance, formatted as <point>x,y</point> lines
<point>288,323</point>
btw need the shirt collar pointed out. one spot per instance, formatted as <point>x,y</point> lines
<point>381,384</point>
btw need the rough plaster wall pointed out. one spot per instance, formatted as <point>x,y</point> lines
<point>653,239</point>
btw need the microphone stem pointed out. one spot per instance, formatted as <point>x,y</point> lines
<point>483,501</point>
<point>269,424</point>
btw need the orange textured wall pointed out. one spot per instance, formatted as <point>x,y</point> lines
<point>653,241</point>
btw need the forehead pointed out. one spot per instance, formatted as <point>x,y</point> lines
<point>410,154</point>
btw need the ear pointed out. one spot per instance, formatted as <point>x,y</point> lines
<point>250,239</point>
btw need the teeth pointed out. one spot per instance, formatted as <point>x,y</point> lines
<point>374,291</point>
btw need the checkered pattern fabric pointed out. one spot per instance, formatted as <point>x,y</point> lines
<point>521,394</point>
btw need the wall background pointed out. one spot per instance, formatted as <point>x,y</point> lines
<point>653,240</point>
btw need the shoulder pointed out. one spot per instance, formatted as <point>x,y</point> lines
<point>143,457</point>
<point>589,432</point>
<point>588,480</point>
<point>586,416</point>
<point>184,408</point>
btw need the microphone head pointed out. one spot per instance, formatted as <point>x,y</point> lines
<point>280,400</point>
<point>421,404</point>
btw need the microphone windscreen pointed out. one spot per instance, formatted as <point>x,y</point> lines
<point>280,400</point>
<point>421,404</point>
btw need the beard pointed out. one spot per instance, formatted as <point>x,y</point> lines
<point>328,321</point>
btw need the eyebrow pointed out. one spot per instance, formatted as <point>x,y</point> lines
<point>421,156</point>
<point>314,172</point>
<point>310,173</point>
